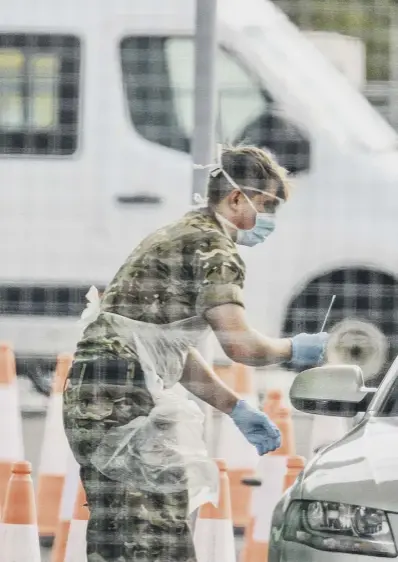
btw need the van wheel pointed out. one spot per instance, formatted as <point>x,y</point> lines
<point>365,303</point>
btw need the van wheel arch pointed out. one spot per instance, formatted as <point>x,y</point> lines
<point>362,293</point>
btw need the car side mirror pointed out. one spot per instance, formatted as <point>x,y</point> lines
<point>331,390</point>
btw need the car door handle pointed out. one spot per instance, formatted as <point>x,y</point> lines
<point>139,199</point>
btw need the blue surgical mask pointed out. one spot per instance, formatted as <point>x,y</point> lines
<point>265,222</point>
<point>264,226</point>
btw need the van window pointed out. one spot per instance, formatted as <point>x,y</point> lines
<point>158,78</point>
<point>240,100</point>
<point>39,94</point>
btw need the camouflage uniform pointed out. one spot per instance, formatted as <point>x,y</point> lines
<point>178,272</point>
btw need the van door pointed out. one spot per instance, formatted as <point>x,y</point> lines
<point>147,169</point>
<point>150,116</point>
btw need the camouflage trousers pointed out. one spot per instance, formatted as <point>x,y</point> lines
<point>126,524</point>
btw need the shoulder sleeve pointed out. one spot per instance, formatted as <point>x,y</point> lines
<point>219,272</point>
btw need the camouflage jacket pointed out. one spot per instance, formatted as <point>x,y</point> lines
<point>178,272</point>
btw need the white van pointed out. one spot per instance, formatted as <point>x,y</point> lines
<point>96,104</point>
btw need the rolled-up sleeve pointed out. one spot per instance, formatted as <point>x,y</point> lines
<point>220,274</point>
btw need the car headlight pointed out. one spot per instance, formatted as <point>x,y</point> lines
<point>339,527</point>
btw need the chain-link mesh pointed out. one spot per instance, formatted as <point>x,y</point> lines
<point>366,293</point>
<point>374,23</point>
<point>72,107</point>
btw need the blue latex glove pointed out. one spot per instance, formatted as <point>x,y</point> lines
<point>308,350</point>
<point>258,429</point>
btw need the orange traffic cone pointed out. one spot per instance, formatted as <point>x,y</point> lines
<point>69,495</point>
<point>77,545</point>
<point>245,383</point>
<point>295,465</point>
<point>256,547</point>
<point>273,403</point>
<point>53,459</point>
<point>283,419</point>
<point>11,438</point>
<point>20,538</point>
<point>272,471</point>
<point>240,456</point>
<point>214,534</point>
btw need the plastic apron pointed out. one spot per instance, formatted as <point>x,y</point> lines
<point>165,451</point>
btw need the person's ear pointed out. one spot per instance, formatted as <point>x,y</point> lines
<point>234,197</point>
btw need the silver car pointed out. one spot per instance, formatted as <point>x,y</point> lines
<point>344,505</point>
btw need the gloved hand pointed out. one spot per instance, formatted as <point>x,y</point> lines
<point>258,429</point>
<point>308,350</point>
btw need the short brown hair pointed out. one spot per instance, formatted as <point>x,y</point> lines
<point>248,166</point>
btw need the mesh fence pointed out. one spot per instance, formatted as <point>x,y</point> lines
<point>366,293</point>
<point>72,107</point>
<point>371,22</point>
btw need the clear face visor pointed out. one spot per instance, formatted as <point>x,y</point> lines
<point>248,188</point>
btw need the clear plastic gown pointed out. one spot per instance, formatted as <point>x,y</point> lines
<point>164,452</point>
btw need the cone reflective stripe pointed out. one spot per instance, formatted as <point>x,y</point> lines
<point>214,534</point>
<point>11,437</point>
<point>77,545</point>
<point>54,455</point>
<point>69,495</point>
<point>20,538</point>
<point>272,471</point>
<point>241,457</point>
<point>265,498</point>
<point>258,532</point>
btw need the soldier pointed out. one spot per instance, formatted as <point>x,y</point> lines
<point>180,281</point>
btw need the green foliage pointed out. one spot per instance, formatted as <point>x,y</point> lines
<point>367,19</point>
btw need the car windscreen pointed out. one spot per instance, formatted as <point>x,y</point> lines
<point>389,406</point>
